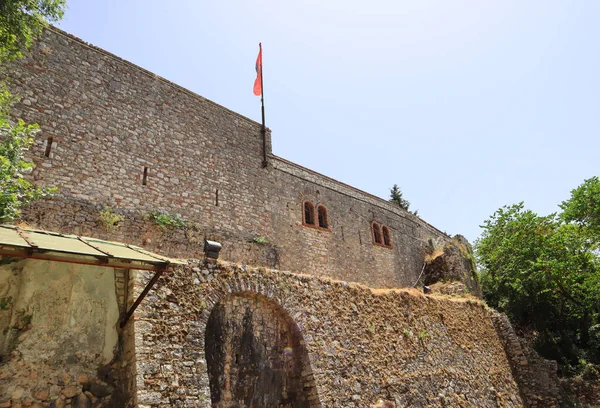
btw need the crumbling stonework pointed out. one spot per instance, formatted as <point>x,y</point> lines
<point>362,345</point>
<point>537,377</point>
<point>453,261</point>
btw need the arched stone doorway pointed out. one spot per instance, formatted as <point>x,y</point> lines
<point>256,356</point>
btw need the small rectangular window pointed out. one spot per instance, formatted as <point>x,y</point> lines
<point>145,177</point>
<point>48,146</point>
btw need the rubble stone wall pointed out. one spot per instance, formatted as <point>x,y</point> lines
<point>537,377</point>
<point>113,134</point>
<point>256,355</point>
<point>363,345</point>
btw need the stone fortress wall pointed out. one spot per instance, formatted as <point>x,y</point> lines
<point>348,345</point>
<point>106,125</point>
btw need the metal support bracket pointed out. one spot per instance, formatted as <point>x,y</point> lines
<point>137,302</point>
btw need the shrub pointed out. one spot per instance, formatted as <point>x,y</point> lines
<point>166,221</point>
<point>109,219</point>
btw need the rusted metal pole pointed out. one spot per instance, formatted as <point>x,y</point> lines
<point>137,302</point>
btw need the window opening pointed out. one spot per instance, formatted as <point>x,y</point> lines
<point>386,236</point>
<point>322,213</point>
<point>48,146</point>
<point>145,178</point>
<point>376,233</point>
<point>217,197</point>
<point>309,213</point>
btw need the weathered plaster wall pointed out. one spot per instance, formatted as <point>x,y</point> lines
<point>109,119</point>
<point>58,331</point>
<point>363,345</point>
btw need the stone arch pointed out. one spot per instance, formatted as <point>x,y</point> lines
<point>256,355</point>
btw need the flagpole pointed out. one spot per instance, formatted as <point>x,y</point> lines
<point>262,108</point>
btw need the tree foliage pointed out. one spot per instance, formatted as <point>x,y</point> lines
<point>396,198</point>
<point>544,272</point>
<point>583,208</point>
<point>21,21</point>
<point>15,190</point>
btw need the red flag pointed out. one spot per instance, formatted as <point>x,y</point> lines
<point>258,80</point>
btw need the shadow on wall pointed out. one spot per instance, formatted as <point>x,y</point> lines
<point>256,356</point>
<point>58,333</point>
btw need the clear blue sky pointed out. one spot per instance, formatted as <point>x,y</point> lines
<point>466,105</point>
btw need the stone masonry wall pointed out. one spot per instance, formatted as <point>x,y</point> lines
<point>363,345</point>
<point>106,122</point>
<point>255,356</point>
<point>537,377</point>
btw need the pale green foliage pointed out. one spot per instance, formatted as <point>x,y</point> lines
<point>109,219</point>
<point>544,272</point>
<point>21,21</point>
<point>166,221</point>
<point>583,208</point>
<point>5,100</point>
<point>15,191</point>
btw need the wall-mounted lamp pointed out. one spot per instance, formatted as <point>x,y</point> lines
<point>212,249</point>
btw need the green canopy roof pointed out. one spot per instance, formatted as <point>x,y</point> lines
<point>37,244</point>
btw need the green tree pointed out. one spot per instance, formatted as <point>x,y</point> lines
<point>583,208</point>
<point>544,272</point>
<point>396,197</point>
<point>15,190</point>
<point>21,21</point>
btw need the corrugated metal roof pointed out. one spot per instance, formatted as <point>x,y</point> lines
<point>14,239</point>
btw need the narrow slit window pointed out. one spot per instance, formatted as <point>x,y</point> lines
<point>145,177</point>
<point>48,146</point>
<point>322,213</point>
<point>386,236</point>
<point>309,213</point>
<point>376,233</point>
<point>217,197</point>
